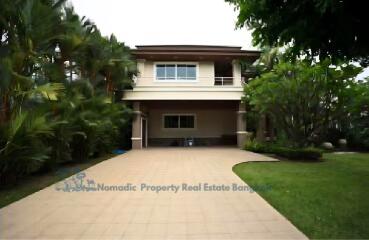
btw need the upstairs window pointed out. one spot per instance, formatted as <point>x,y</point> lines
<point>186,72</point>
<point>176,72</point>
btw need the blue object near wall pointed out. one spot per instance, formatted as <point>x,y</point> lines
<point>118,151</point>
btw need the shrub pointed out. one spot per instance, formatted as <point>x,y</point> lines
<point>88,127</point>
<point>59,143</point>
<point>287,152</point>
<point>257,147</point>
<point>298,153</point>
<point>23,148</point>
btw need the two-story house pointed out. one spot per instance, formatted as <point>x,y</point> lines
<point>188,95</point>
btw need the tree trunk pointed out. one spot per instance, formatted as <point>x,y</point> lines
<point>109,84</point>
<point>70,72</point>
<point>5,109</point>
<point>260,132</point>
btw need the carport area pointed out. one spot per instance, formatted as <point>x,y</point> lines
<point>188,123</point>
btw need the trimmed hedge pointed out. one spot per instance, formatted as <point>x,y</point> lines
<point>287,152</point>
<point>257,147</point>
<point>298,153</point>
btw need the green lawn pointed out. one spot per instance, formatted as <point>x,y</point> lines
<point>328,199</point>
<point>36,182</point>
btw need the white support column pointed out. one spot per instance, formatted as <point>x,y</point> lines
<point>136,126</point>
<point>141,67</point>
<point>236,71</point>
<point>242,134</point>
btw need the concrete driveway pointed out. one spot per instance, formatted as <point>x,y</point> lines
<point>115,207</point>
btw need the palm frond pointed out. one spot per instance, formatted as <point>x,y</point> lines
<point>49,91</point>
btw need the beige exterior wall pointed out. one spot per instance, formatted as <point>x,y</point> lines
<point>209,123</point>
<point>205,75</point>
<point>213,119</point>
<point>148,88</point>
<point>182,94</point>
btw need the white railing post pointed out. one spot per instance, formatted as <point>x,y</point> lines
<point>223,81</point>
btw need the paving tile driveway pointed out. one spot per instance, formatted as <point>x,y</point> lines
<point>109,214</point>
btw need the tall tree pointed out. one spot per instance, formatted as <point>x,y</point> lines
<point>47,50</point>
<point>325,28</point>
<point>357,128</point>
<point>26,28</point>
<point>303,98</point>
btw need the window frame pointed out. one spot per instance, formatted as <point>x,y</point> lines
<point>176,79</point>
<point>179,121</point>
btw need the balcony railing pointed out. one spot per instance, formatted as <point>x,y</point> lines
<point>223,81</point>
<point>227,81</point>
<point>217,81</point>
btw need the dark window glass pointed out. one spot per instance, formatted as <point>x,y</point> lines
<point>170,71</point>
<point>187,121</point>
<point>160,71</point>
<point>171,121</point>
<point>191,72</point>
<point>181,71</point>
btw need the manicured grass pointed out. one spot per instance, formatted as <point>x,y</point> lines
<point>36,182</point>
<point>328,199</point>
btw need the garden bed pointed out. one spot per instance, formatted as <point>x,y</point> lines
<point>36,182</point>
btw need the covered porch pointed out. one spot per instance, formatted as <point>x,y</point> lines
<point>188,123</point>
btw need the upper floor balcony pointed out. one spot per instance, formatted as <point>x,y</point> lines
<point>198,82</point>
<point>189,74</point>
<point>227,81</point>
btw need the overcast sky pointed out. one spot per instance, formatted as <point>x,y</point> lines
<point>142,22</point>
<point>145,22</point>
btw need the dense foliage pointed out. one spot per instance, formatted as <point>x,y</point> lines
<point>306,99</point>
<point>325,28</point>
<point>58,79</point>
<point>308,92</point>
<point>357,123</point>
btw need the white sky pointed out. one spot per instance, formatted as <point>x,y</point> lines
<point>145,22</point>
<point>364,74</point>
<point>150,22</point>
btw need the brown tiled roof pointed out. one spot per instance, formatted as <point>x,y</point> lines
<point>193,52</point>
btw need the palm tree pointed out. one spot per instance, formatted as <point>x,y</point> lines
<point>106,62</point>
<point>27,29</point>
<point>38,38</point>
<point>269,57</point>
<point>118,67</point>
<point>73,37</point>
